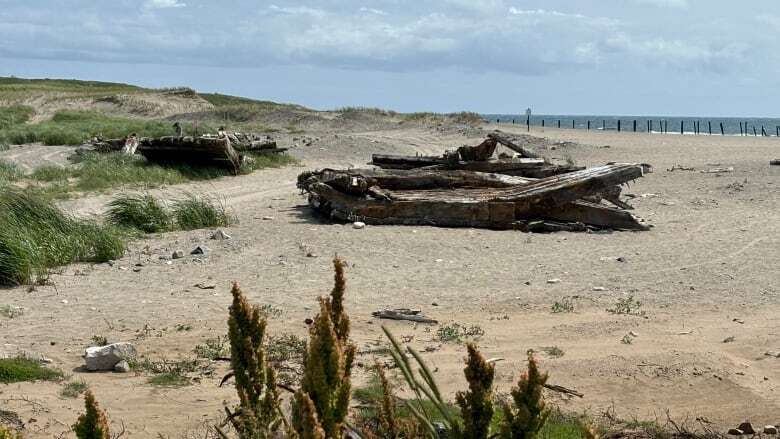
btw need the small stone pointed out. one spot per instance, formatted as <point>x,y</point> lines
<point>528,282</point>
<point>219,235</point>
<point>200,250</point>
<point>358,225</point>
<point>106,357</point>
<point>136,270</point>
<point>122,367</point>
<point>311,255</point>
<point>633,334</point>
<point>746,428</point>
<point>775,354</point>
<point>735,432</point>
<point>206,286</point>
<point>599,289</point>
<point>178,254</point>
<point>770,429</point>
<point>64,301</point>
<point>434,304</point>
<point>553,281</point>
<point>268,218</point>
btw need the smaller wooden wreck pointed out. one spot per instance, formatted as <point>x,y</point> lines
<point>224,150</point>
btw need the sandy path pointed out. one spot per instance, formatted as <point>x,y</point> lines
<point>712,257</point>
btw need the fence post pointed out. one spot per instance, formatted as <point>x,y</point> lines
<point>542,123</point>
<point>634,125</point>
<point>682,125</point>
<point>709,127</point>
<point>722,132</point>
<point>588,125</point>
<point>618,125</point>
<point>572,124</point>
<point>559,123</point>
<point>603,125</point>
<point>740,129</point>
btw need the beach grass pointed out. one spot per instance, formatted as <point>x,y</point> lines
<point>35,236</point>
<point>20,369</point>
<point>139,211</point>
<point>199,212</point>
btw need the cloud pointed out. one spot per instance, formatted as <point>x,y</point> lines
<point>163,4</point>
<point>390,35</point>
<point>680,4</point>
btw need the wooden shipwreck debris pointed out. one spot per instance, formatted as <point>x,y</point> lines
<point>191,150</point>
<point>225,150</point>
<point>412,315</point>
<point>450,198</point>
<point>478,158</point>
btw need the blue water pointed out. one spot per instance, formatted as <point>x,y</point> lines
<point>731,125</point>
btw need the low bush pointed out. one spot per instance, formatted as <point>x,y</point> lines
<point>35,236</point>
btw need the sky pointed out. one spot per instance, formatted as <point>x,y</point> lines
<point>628,57</point>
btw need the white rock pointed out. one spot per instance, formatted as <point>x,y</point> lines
<point>553,281</point>
<point>599,289</point>
<point>268,218</point>
<point>358,225</point>
<point>122,367</point>
<point>220,235</point>
<point>106,357</point>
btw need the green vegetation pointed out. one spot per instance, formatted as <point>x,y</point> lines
<point>16,370</point>
<point>553,351</point>
<point>50,173</point>
<point>213,348</point>
<point>75,127</point>
<point>9,172</point>
<point>94,172</point>
<point>142,212</point>
<point>167,373</point>
<point>566,304</point>
<point>35,236</point>
<point>145,213</point>
<point>627,306</point>
<point>73,389</point>
<point>7,433</point>
<point>93,424</point>
<point>199,212</point>
<point>169,379</point>
<point>455,333</point>
<point>14,115</point>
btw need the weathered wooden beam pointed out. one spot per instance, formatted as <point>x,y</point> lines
<point>513,146</point>
<point>595,215</point>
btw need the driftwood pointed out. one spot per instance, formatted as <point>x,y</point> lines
<point>481,152</point>
<point>403,314</point>
<point>192,150</point>
<point>561,389</point>
<point>513,146</point>
<point>464,199</point>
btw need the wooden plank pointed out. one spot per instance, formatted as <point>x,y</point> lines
<point>596,215</point>
<point>513,146</point>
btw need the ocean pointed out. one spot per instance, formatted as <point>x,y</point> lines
<point>732,126</point>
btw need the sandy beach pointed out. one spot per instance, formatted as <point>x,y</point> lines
<point>707,272</point>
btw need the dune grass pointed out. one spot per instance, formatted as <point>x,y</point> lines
<point>19,369</point>
<point>75,127</point>
<point>14,115</point>
<point>145,213</point>
<point>96,172</point>
<point>9,172</point>
<point>198,212</point>
<point>139,211</point>
<point>35,237</point>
